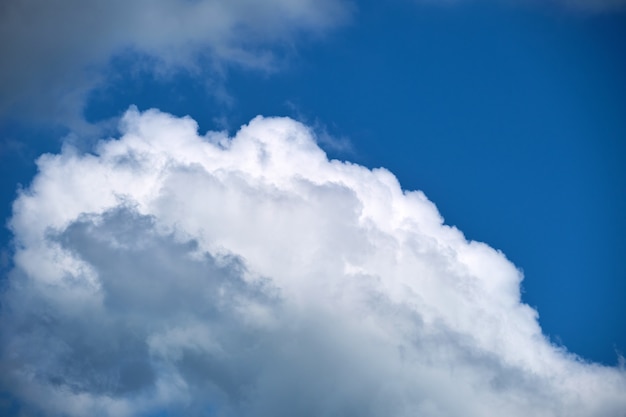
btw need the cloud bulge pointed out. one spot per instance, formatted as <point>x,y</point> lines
<point>209,275</point>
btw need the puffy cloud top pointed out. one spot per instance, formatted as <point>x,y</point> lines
<point>251,276</point>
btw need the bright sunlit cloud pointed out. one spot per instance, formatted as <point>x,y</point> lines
<point>252,276</point>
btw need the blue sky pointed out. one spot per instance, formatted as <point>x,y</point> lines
<point>509,116</point>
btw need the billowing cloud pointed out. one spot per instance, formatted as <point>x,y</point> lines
<point>169,273</point>
<point>53,52</point>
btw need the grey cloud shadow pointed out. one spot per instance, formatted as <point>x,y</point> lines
<point>150,283</point>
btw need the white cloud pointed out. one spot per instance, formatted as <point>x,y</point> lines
<point>53,52</point>
<point>251,276</point>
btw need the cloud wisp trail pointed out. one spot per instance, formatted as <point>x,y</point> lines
<point>54,53</point>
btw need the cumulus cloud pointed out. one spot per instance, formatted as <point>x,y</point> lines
<point>168,272</point>
<point>54,51</point>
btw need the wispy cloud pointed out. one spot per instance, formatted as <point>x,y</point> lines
<point>53,52</point>
<point>252,276</point>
